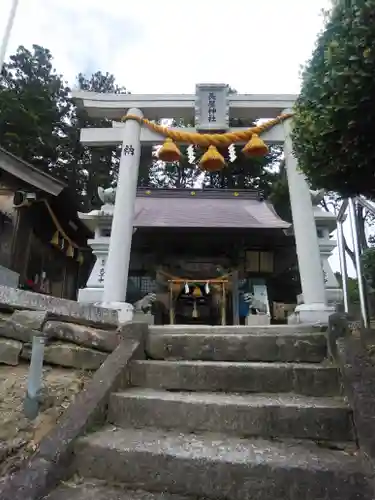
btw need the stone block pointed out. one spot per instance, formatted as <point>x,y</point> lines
<point>21,325</point>
<point>102,340</point>
<point>67,310</point>
<point>69,356</point>
<point>338,327</point>
<point>10,351</point>
<point>267,415</point>
<point>134,330</point>
<point>91,491</point>
<point>11,330</point>
<point>220,467</point>
<point>31,319</point>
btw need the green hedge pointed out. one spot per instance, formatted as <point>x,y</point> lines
<point>334,134</point>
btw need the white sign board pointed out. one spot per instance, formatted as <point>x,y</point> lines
<point>211,107</point>
<point>260,293</point>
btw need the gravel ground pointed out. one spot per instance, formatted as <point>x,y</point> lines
<point>19,437</point>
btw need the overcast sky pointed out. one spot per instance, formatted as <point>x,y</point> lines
<point>167,46</point>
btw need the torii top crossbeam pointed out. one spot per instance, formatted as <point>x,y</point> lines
<point>192,108</point>
<point>156,106</point>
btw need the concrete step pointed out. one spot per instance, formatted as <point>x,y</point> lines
<point>219,467</point>
<point>280,416</point>
<point>303,347</point>
<point>310,379</point>
<point>96,490</point>
<point>240,329</point>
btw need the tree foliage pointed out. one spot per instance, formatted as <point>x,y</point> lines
<point>335,112</point>
<point>353,290</point>
<point>87,168</point>
<point>41,124</point>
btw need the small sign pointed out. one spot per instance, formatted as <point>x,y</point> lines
<point>212,107</point>
<point>102,272</point>
<point>128,150</point>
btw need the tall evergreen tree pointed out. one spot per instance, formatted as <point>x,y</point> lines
<point>90,167</point>
<point>34,107</point>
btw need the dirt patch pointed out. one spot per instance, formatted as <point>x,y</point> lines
<point>19,437</point>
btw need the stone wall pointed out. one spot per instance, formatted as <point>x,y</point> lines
<point>356,360</point>
<point>66,344</point>
<point>76,336</point>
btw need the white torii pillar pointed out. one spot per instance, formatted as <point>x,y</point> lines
<point>117,265</point>
<point>314,309</point>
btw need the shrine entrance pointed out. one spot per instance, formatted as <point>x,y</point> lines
<point>209,109</point>
<point>198,301</point>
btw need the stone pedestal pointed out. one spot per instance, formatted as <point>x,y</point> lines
<point>125,311</point>
<point>257,319</point>
<point>93,292</point>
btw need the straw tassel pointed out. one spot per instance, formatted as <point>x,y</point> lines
<point>169,152</point>
<point>195,313</point>
<point>70,251</point>
<point>256,147</point>
<point>55,239</point>
<point>212,160</point>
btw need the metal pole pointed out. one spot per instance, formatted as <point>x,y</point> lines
<point>341,214</point>
<point>358,263</point>
<point>35,377</point>
<point>8,30</point>
<point>366,204</point>
<point>235,298</point>
<point>343,267</point>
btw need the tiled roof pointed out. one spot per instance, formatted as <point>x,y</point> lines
<point>205,208</point>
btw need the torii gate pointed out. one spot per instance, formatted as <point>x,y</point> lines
<point>198,109</point>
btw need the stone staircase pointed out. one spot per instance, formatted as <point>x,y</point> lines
<point>233,413</point>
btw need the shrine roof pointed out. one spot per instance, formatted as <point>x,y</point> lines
<point>205,208</point>
<point>29,174</point>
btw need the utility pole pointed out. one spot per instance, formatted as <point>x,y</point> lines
<point>8,30</point>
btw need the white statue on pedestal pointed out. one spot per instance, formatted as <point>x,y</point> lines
<point>325,224</point>
<point>100,222</point>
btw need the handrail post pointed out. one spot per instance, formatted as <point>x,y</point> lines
<point>357,254</point>
<point>32,399</point>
